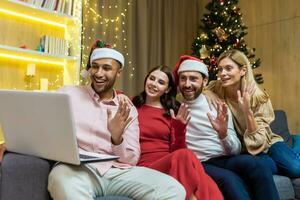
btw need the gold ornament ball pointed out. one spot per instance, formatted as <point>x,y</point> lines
<point>216,46</point>
<point>203,37</point>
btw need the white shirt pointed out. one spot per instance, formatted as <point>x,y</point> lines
<point>203,139</point>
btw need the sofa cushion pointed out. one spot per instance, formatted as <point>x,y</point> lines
<point>280,127</point>
<point>284,187</point>
<point>296,183</point>
<point>24,177</point>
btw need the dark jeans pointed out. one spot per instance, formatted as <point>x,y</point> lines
<point>234,174</point>
<point>286,159</point>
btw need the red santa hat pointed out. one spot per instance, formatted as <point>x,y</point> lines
<point>189,63</point>
<point>106,52</point>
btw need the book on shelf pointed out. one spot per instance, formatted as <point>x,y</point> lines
<point>60,6</point>
<point>54,45</point>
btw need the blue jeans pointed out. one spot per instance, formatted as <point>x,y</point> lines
<point>269,162</point>
<point>286,159</point>
<point>234,174</point>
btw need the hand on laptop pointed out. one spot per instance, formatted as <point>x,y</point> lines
<point>2,150</point>
<point>116,124</point>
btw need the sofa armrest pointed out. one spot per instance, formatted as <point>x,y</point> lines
<point>280,127</point>
<point>296,144</point>
<point>24,177</point>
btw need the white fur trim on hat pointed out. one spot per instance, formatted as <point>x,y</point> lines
<point>107,53</point>
<point>193,65</point>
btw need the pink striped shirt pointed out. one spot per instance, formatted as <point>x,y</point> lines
<point>90,115</point>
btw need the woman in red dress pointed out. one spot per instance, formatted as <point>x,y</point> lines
<point>162,122</point>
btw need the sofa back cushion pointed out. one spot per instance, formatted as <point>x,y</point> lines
<point>280,126</point>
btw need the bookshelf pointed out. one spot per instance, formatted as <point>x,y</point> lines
<point>25,25</point>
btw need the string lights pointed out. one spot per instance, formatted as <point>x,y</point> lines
<point>106,21</point>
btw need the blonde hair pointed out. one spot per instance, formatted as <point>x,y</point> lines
<point>242,61</point>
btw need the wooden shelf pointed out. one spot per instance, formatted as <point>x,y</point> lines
<point>20,52</point>
<point>23,23</point>
<point>14,7</point>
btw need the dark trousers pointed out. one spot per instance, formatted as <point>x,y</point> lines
<point>236,175</point>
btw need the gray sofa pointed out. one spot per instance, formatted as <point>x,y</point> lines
<point>287,188</point>
<point>25,177</point>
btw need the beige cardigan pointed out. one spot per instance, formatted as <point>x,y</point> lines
<point>261,139</point>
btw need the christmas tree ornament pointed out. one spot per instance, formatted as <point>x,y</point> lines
<point>204,53</point>
<point>216,46</point>
<point>237,43</point>
<point>203,37</point>
<point>213,60</point>
<point>224,14</point>
<point>221,34</point>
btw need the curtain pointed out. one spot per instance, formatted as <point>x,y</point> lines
<point>147,32</point>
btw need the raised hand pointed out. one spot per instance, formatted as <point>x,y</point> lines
<point>245,96</point>
<point>117,123</point>
<point>220,123</point>
<point>182,115</point>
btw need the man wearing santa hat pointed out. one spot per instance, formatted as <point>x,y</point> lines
<point>211,135</point>
<point>108,125</point>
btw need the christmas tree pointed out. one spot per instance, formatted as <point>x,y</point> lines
<point>222,30</point>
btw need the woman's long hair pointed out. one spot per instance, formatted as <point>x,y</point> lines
<point>168,100</point>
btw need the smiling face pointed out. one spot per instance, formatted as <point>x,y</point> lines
<point>103,75</point>
<point>191,84</point>
<point>230,73</point>
<point>157,83</point>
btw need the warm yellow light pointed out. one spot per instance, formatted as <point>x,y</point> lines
<point>95,12</point>
<point>32,18</point>
<point>24,58</point>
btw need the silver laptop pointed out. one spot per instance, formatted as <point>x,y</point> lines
<point>41,124</point>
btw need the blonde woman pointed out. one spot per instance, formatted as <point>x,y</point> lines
<point>252,113</point>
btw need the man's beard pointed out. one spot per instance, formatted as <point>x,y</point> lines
<point>195,96</point>
<point>106,88</point>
